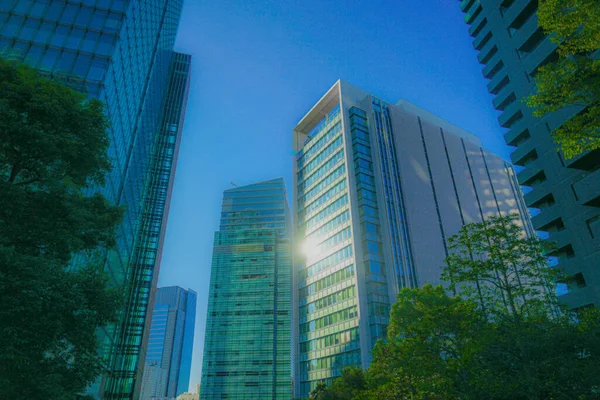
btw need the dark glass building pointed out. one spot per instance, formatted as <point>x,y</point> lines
<point>563,195</point>
<point>121,52</point>
<point>247,345</point>
<point>169,350</point>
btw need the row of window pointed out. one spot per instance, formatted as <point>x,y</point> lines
<point>304,198</point>
<point>327,281</point>
<point>330,340</point>
<point>321,171</point>
<point>331,133</point>
<point>338,360</point>
<point>333,146</point>
<point>329,300</point>
<point>334,223</point>
<point>77,64</point>
<point>335,240</point>
<point>328,262</point>
<point>327,211</point>
<point>38,7</point>
<point>314,132</point>
<point>333,318</point>
<point>71,14</point>
<point>322,200</point>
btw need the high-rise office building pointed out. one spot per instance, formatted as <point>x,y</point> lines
<point>378,189</point>
<point>168,359</point>
<point>121,52</point>
<point>564,194</point>
<point>247,344</point>
<point>156,207</point>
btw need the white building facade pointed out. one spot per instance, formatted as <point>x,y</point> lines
<point>378,190</point>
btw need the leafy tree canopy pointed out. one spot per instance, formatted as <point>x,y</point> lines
<point>503,337</point>
<point>53,150</point>
<point>574,79</point>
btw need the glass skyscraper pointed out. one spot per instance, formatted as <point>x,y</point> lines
<point>563,194</point>
<point>169,349</point>
<point>247,344</point>
<point>378,189</point>
<point>121,52</point>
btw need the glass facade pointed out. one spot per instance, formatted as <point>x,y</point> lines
<point>118,51</point>
<point>247,344</point>
<point>328,334</point>
<point>171,336</point>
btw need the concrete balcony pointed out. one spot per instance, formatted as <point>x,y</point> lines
<point>585,162</point>
<point>539,55</point>
<point>525,31</point>
<point>466,4</point>
<point>530,172</point>
<point>588,189</point>
<point>536,195</point>
<point>496,84</point>
<point>473,13</point>
<point>484,36</point>
<point>477,25</point>
<point>521,152</point>
<point>546,217</point>
<point>487,52</point>
<point>511,115</point>
<point>515,10</point>
<point>492,67</point>
<point>504,98</point>
<point>561,238</point>
<point>517,133</point>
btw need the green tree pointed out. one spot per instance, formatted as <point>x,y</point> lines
<point>319,392</point>
<point>574,79</point>
<point>495,265</point>
<point>503,337</point>
<point>432,339</point>
<point>53,149</point>
<point>349,385</point>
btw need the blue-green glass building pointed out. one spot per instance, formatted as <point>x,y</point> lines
<point>562,194</point>
<point>247,345</point>
<point>121,52</point>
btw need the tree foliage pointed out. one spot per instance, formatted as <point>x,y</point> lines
<point>503,337</point>
<point>53,149</point>
<point>574,79</point>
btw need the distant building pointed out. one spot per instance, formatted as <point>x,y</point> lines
<point>378,190</point>
<point>170,343</point>
<point>565,194</point>
<point>247,345</point>
<point>190,396</point>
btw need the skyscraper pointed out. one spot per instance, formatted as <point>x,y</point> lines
<point>169,351</point>
<point>118,51</point>
<point>156,207</point>
<point>247,344</point>
<point>378,189</point>
<point>564,195</point>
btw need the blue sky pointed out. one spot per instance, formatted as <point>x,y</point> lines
<point>258,67</point>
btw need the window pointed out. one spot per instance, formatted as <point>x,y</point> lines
<point>44,32</point>
<point>28,30</point>
<point>593,225</point>
<point>579,280</point>
<point>12,25</point>
<point>59,36</point>
<point>69,14</point>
